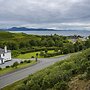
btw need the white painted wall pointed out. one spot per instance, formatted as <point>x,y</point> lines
<point>2,56</point>
<point>6,56</point>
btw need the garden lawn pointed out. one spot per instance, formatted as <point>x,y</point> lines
<point>20,66</point>
<point>29,55</point>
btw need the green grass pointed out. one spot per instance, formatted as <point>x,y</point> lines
<point>51,51</point>
<point>29,55</point>
<point>14,85</point>
<point>20,66</point>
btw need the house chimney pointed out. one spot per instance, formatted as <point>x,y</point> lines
<point>5,48</point>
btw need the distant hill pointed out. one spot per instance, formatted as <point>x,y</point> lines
<point>36,29</point>
<point>27,29</point>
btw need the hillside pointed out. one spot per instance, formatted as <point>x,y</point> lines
<point>27,29</point>
<point>68,74</point>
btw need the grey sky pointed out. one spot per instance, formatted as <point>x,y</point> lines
<point>44,13</point>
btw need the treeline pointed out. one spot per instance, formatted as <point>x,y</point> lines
<point>21,43</point>
<point>68,47</point>
<point>21,40</point>
<point>57,76</point>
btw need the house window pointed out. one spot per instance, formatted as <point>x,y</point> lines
<point>3,54</point>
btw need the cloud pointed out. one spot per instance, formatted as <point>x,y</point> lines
<point>22,12</point>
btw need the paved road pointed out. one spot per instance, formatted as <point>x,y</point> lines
<point>18,75</point>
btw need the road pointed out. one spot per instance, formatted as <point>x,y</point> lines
<point>21,74</point>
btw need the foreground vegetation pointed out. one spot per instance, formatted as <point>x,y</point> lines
<point>57,76</point>
<point>16,66</point>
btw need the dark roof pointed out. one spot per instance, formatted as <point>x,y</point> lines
<point>3,51</point>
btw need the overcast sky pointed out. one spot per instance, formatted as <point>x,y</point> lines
<point>45,13</point>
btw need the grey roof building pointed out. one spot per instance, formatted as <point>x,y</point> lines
<point>5,55</point>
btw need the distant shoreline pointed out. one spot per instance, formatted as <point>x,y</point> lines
<point>58,32</point>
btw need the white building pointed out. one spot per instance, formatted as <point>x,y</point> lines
<point>5,55</point>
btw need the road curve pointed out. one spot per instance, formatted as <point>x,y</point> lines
<point>21,74</point>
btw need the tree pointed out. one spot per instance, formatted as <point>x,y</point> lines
<point>51,43</point>
<point>15,53</point>
<point>44,42</point>
<point>46,51</point>
<point>12,45</point>
<point>89,37</point>
<point>56,50</point>
<point>87,43</point>
<point>58,43</point>
<point>33,43</point>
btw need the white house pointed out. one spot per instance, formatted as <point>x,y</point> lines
<point>5,55</point>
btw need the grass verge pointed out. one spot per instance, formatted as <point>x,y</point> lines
<point>20,66</point>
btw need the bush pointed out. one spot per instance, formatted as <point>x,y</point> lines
<point>88,57</point>
<point>82,76</point>
<point>25,61</point>
<point>52,54</point>
<point>61,86</point>
<point>15,64</point>
<point>0,68</point>
<point>88,73</point>
<point>28,61</point>
<point>7,66</point>
<point>15,53</point>
<point>21,62</point>
<point>32,56</point>
<point>41,53</point>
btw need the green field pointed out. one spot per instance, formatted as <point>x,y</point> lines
<point>20,66</point>
<point>29,55</point>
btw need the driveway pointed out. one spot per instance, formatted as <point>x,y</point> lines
<point>9,63</point>
<point>21,74</point>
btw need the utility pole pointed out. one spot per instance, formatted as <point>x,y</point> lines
<point>36,57</point>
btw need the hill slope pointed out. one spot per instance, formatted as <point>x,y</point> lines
<point>60,75</point>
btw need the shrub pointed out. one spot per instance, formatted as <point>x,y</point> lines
<point>88,73</point>
<point>0,68</point>
<point>28,61</point>
<point>88,57</point>
<point>25,61</point>
<point>15,64</point>
<point>41,53</point>
<point>7,66</point>
<point>15,53</point>
<point>21,62</point>
<point>61,86</point>
<point>20,87</point>
<point>32,56</point>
